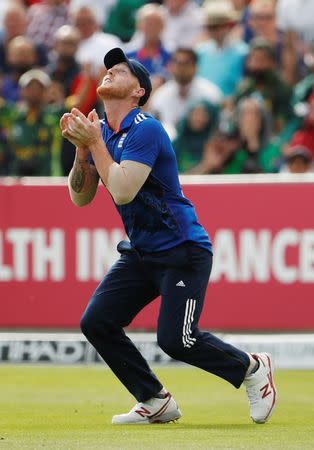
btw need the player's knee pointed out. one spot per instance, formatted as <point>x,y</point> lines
<point>95,324</point>
<point>87,324</point>
<point>91,324</point>
<point>172,345</point>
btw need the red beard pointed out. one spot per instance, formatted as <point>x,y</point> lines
<point>108,92</point>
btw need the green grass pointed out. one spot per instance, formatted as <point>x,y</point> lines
<point>71,408</point>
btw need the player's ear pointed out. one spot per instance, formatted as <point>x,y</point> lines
<point>139,92</point>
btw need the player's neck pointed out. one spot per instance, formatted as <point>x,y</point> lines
<point>116,112</point>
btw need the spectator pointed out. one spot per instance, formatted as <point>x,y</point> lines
<point>305,135</point>
<point>5,153</point>
<point>262,19</point>
<point>193,132</point>
<point>171,101</point>
<point>219,151</point>
<point>295,19</point>
<point>54,96</point>
<point>242,30</point>
<point>148,47</point>
<point>63,66</point>
<point>79,86</point>
<point>221,58</point>
<point>32,130</point>
<point>21,58</point>
<point>15,25</point>
<point>243,145</point>
<point>256,152</point>
<point>121,19</point>
<point>298,159</point>
<point>184,23</point>
<point>263,78</point>
<point>44,19</point>
<point>262,22</point>
<point>305,87</point>
<point>94,43</point>
<point>4,5</point>
<point>77,83</point>
<point>100,7</point>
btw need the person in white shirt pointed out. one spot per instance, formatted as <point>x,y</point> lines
<point>297,16</point>
<point>94,43</point>
<point>184,23</point>
<point>171,101</point>
<point>101,7</point>
<point>4,5</point>
<point>295,20</point>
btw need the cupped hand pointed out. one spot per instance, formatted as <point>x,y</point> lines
<point>86,129</point>
<point>67,132</point>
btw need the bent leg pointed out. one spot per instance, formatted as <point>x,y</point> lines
<point>178,334</point>
<point>122,293</point>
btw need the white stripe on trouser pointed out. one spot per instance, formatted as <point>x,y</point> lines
<point>187,340</point>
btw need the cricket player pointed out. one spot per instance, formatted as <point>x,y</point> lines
<point>168,253</point>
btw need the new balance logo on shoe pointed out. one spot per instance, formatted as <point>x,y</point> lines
<point>143,412</point>
<point>155,410</point>
<point>180,283</point>
<point>267,389</point>
<point>260,389</point>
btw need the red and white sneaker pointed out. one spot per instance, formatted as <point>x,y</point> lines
<point>261,390</point>
<point>155,410</point>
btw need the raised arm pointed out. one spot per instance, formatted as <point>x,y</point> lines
<point>83,179</point>
<point>123,180</point>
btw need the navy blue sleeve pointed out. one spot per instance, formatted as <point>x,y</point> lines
<point>144,144</point>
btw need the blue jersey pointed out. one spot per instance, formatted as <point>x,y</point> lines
<point>159,217</point>
<point>157,64</point>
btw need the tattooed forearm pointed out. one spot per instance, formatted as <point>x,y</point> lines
<point>83,180</point>
<point>78,175</point>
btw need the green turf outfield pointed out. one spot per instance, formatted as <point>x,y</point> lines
<point>71,408</point>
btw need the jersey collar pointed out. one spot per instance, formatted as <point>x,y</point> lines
<point>127,121</point>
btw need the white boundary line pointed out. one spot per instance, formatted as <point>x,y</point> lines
<point>290,351</point>
<point>281,178</point>
<point>266,338</point>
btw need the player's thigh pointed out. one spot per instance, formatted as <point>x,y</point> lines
<point>122,293</point>
<point>183,291</point>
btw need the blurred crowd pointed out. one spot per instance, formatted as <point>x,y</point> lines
<point>233,80</point>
